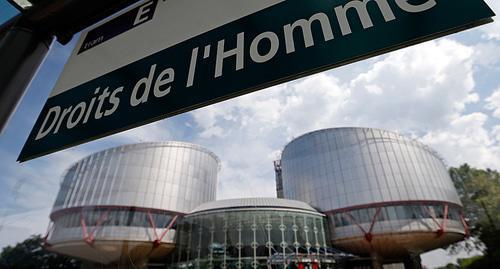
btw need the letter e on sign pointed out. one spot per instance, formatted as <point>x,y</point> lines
<point>144,14</point>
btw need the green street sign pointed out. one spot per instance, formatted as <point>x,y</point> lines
<point>163,58</point>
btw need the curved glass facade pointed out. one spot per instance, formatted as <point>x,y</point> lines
<point>371,182</point>
<point>127,224</point>
<point>397,218</point>
<point>344,167</point>
<point>129,195</point>
<point>252,238</point>
<point>168,175</point>
<point>115,217</point>
<point>395,212</point>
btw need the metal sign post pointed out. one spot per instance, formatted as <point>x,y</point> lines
<point>21,52</point>
<point>25,40</point>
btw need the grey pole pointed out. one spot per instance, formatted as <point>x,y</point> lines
<point>21,53</point>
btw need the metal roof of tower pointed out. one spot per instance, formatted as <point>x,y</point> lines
<point>253,203</point>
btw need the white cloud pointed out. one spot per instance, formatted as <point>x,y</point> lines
<point>466,140</point>
<point>495,132</point>
<point>418,90</point>
<point>15,228</point>
<point>486,54</point>
<point>256,126</point>
<point>422,83</point>
<point>440,257</point>
<point>38,180</point>
<point>213,131</point>
<point>32,189</point>
<point>493,103</point>
<point>492,30</point>
<point>151,132</point>
<point>314,103</point>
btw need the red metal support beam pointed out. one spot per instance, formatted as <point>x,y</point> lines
<point>466,226</point>
<point>172,222</point>
<point>158,239</point>
<point>441,226</point>
<point>432,216</point>
<point>65,211</point>
<point>103,217</point>
<point>47,234</point>
<point>368,234</point>
<point>393,203</point>
<point>355,222</point>
<point>89,237</point>
<point>153,224</point>
<point>84,227</point>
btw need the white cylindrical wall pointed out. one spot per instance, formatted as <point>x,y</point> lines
<point>382,192</point>
<point>345,167</point>
<point>124,201</point>
<point>172,176</point>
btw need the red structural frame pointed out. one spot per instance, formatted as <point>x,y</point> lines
<point>89,236</point>
<point>158,239</point>
<point>49,230</point>
<point>57,213</point>
<point>389,203</point>
<point>464,223</point>
<point>369,235</point>
<point>442,226</point>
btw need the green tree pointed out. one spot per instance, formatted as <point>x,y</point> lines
<point>479,191</point>
<point>30,254</point>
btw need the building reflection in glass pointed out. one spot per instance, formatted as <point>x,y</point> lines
<point>253,235</point>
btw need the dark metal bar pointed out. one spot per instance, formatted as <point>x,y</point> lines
<point>25,41</point>
<point>22,51</point>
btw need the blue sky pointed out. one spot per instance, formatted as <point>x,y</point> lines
<point>6,11</point>
<point>446,93</point>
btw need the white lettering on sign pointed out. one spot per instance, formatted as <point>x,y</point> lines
<point>144,84</point>
<point>404,5</point>
<point>52,111</point>
<point>144,13</point>
<point>160,84</point>
<point>363,14</point>
<point>164,78</point>
<point>55,117</point>
<point>274,41</point>
<point>94,42</point>
<point>238,52</point>
<point>306,27</point>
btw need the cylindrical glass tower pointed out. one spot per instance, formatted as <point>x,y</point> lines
<point>123,203</point>
<point>253,233</point>
<point>382,192</point>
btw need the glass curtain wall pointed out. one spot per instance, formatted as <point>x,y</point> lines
<point>396,212</point>
<point>103,217</point>
<point>251,239</point>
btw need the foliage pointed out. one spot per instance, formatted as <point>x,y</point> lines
<point>479,191</point>
<point>462,263</point>
<point>31,255</point>
<point>449,266</point>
